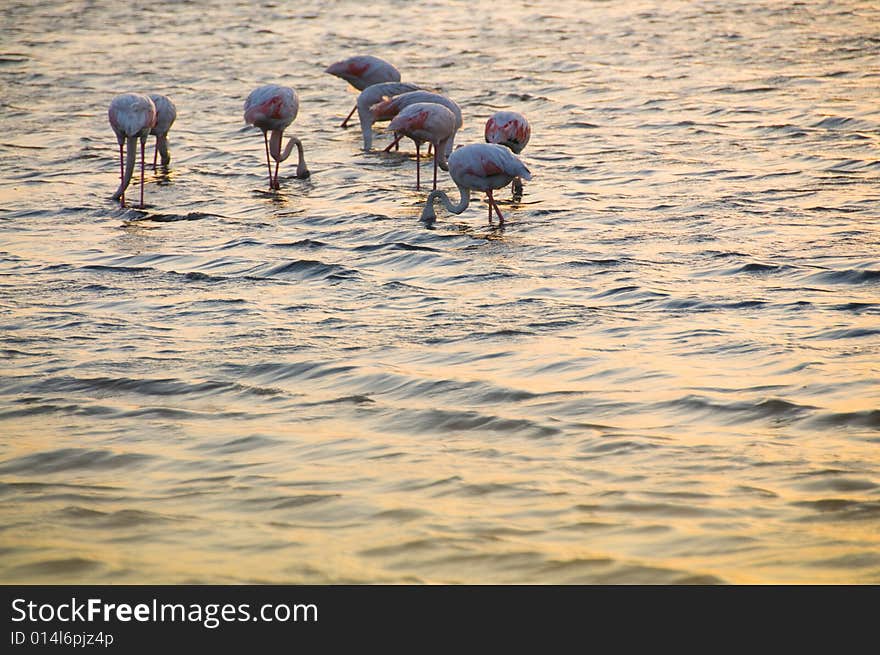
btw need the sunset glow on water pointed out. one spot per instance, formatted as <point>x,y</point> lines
<point>664,367</point>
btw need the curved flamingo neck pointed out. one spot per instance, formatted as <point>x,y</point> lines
<point>275,146</point>
<point>162,148</point>
<point>442,150</point>
<point>366,128</point>
<point>302,170</point>
<point>428,212</point>
<point>131,148</point>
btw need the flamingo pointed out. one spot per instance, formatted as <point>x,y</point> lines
<point>166,112</point>
<point>272,108</point>
<point>390,107</point>
<point>132,116</point>
<point>481,167</point>
<point>362,71</point>
<point>511,129</point>
<point>425,121</point>
<point>370,96</point>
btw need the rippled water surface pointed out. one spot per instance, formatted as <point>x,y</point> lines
<point>662,369</point>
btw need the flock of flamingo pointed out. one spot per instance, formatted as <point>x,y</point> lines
<point>420,115</point>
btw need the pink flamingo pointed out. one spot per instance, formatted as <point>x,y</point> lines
<point>166,113</point>
<point>481,167</point>
<point>425,121</point>
<point>132,116</point>
<point>362,71</point>
<point>272,108</point>
<point>511,129</point>
<point>370,96</point>
<point>390,107</point>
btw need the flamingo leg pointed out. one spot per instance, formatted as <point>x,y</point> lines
<point>268,163</point>
<point>497,210</point>
<point>143,146</point>
<point>430,148</point>
<point>121,174</point>
<point>156,153</point>
<point>275,183</point>
<point>393,143</point>
<point>345,122</point>
<point>489,196</point>
<point>418,165</point>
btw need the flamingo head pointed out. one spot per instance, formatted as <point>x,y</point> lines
<point>384,110</point>
<point>429,215</point>
<point>350,70</point>
<point>337,69</point>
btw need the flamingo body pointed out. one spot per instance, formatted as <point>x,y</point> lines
<point>390,107</point>
<point>272,108</point>
<point>370,96</point>
<point>166,113</point>
<point>426,121</point>
<point>132,116</point>
<point>478,167</point>
<point>362,71</point>
<point>510,129</point>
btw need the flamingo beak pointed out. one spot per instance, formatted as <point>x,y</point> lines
<point>335,69</point>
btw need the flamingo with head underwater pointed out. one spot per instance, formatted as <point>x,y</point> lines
<point>372,95</point>
<point>478,167</point>
<point>272,108</point>
<point>132,116</point>
<point>166,113</point>
<point>510,129</point>
<point>362,71</point>
<point>426,121</point>
<point>390,107</point>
